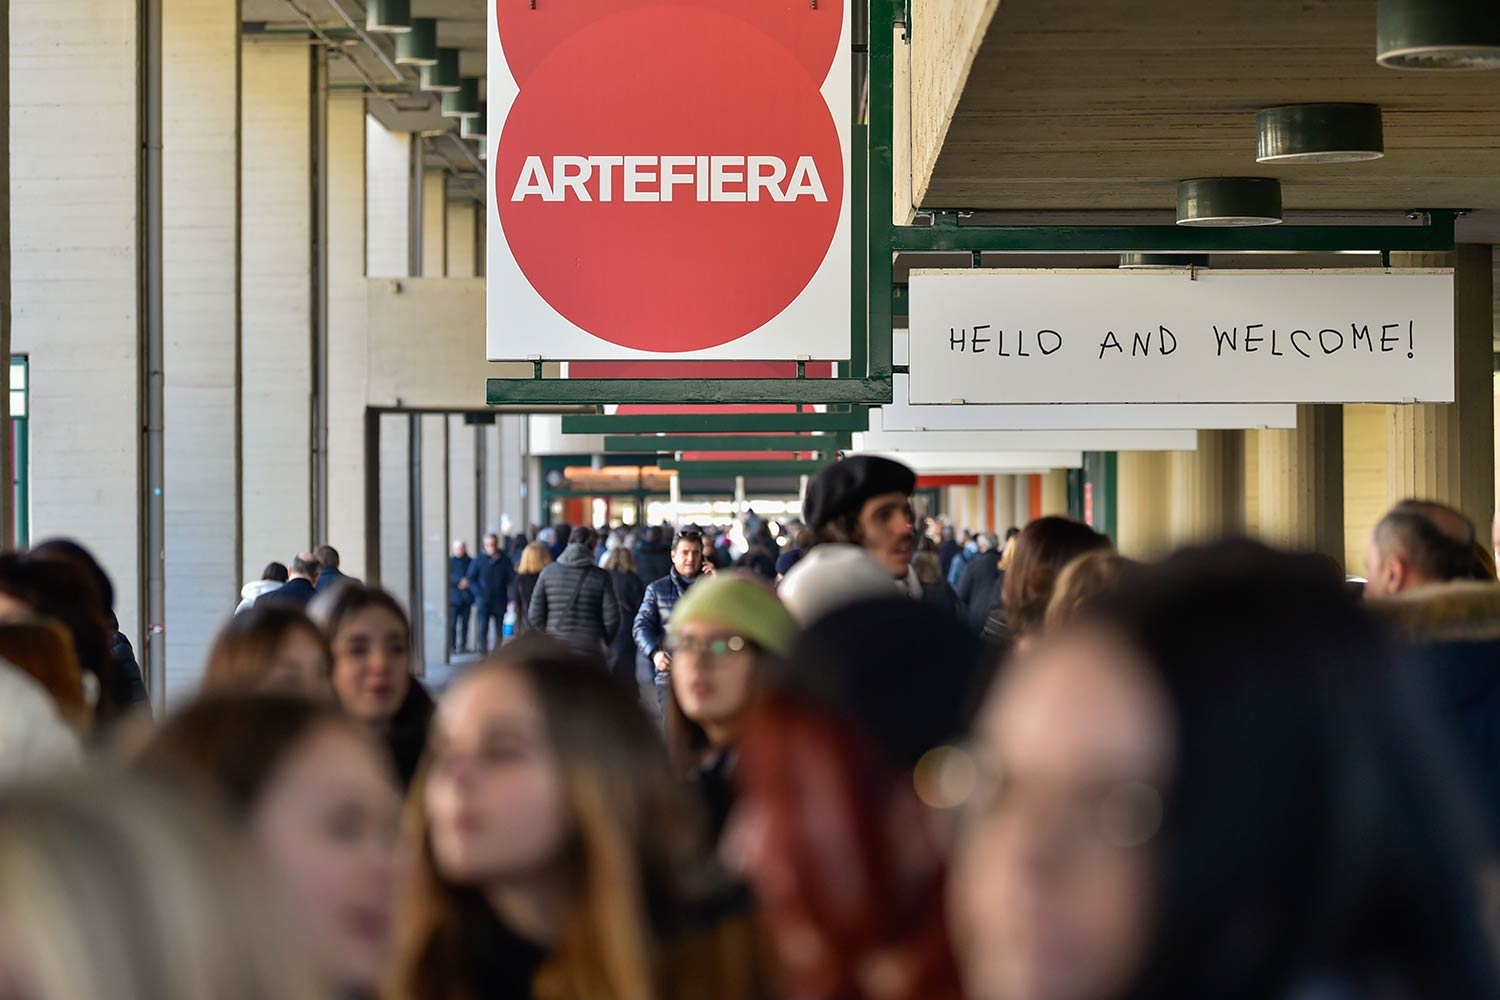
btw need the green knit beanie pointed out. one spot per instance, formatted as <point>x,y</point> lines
<point>740,602</point>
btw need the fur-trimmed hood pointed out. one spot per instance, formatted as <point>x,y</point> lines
<point>1461,611</point>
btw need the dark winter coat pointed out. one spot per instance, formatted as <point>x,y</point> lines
<point>650,629</point>
<point>295,591</point>
<point>525,588</point>
<point>947,552</point>
<point>978,587</point>
<point>575,601</point>
<point>491,579</point>
<point>330,577</point>
<point>653,560</point>
<point>1454,631</point>
<point>458,569</point>
<point>631,592</point>
<point>132,686</point>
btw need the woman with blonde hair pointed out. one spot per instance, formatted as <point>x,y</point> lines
<point>273,647</point>
<point>535,558</point>
<point>1086,583</point>
<point>556,853</point>
<point>111,887</point>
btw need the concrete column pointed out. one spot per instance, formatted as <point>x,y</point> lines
<point>1024,513</point>
<point>1365,458</point>
<point>1055,492</point>
<point>434,224</point>
<point>1005,504</point>
<point>434,485</point>
<point>462,494</point>
<point>200,281</point>
<point>276,302</point>
<point>518,497</point>
<point>387,201</point>
<point>1302,483</point>
<point>348,356</point>
<point>1208,488</point>
<point>1143,506</point>
<point>395,506</point>
<point>1447,452</point>
<point>75,276</point>
<point>498,459</point>
<point>462,217</point>
<point>1252,483</point>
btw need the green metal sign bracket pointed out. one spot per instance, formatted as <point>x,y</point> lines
<point>857,419</point>
<point>867,377</point>
<point>674,444</point>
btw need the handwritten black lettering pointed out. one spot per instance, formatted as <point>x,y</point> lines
<point>977,341</point>
<point>1387,342</point>
<point>957,339</point>
<point>1057,341</point>
<point>1362,331</point>
<point>1166,335</point>
<point>1021,344</point>
<point>1323,341</point>
<point>1411,330</point>
<point>1221,336</point>
<point>1140,345</point>
<point>1000,345</point>
<point>1293,338</point>
<point>1274,352</point>
<point>1252,344</point>
<point>1110,340</point>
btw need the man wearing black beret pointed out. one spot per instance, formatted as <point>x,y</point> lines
<point>865,500</point>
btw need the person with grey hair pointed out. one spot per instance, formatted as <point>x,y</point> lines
<point>980,582</point>
<point>1416,544</point>
<point>300,586</point>
<point>460,597</point>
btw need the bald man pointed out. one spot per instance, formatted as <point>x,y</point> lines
<point>300,586</point>
<point>1417,544</point>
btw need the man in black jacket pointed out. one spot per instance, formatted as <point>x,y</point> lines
<point>492,576</point>
<point>575,600</point>
<point>980,584</point>
<point>301,578</point>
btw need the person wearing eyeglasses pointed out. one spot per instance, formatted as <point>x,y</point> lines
<point>662,595</point>
<point>723,638</point>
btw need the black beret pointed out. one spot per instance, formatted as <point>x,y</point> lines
<point>909,674</point>
<point>843,487</point>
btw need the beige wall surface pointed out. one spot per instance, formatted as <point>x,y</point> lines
<point>946,34</point>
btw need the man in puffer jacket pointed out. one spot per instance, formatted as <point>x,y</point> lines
<point>654,666</point>
<point>575,599</point>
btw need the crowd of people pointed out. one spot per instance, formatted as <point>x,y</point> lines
<point>796,763</point>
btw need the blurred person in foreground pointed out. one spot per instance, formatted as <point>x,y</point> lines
<point>865,500</point>
<point>556,853</point>
<point>370,640</point>
<point>1221,784</point>
<point>112,887</point>
<point>1042,552</point>
<point>840,825</point>
<point>272,648</point>
<point>724,638</point>
<point>317,799</point>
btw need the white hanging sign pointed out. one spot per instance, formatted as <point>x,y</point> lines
<point>1107,439</point>
<point>1097,336</point>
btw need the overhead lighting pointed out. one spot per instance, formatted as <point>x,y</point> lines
<point>1229,201</point>
<point>1438,35</point>
<point>1320,133</point>
<point>442,76</point>
<point>1152,261</point>
<point>390,16</point>
<point>464,102</point>
<point>473,128</point>
<point>418,47</point>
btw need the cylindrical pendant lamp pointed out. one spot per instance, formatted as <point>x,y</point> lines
<point>389,16</point>
<point>1229,201</point>
<point>1320,133</point>
<point>1438,34</point>
<point>418,47</point>
<point>464,102</point>
<point>442,76</point>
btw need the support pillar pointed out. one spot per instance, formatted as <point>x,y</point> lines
<point>1302,483</point>
<point>1024,513</point>
<point>1208,488</point>
<point>515,503</point>
<point>276,342</point>
<point>1446,452</point>
<point>434,224</point>
<point>1365,477</point>
<point>463,496</point>
<point>1005,505</point>
<point>200,281</point>
<point>395,478</point>
<point>462,239</point>
<point>1143,506</point>
<point>1055,493</point>
<point>434,479</point>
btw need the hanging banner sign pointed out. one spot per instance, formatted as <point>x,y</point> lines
<point>669,180</point>
<point>978,441</point>
<point>901,415</point>
<point>1096,336</point>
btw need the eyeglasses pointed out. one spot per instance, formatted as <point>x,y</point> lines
<point>708,647</point>
<point>688,536</point>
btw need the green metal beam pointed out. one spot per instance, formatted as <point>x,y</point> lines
<point>707,469</point>
<point>768,391</point>
<point>716,423</point>
<point>671,444</point>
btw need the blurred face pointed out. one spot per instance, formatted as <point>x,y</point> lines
<point>300,667</point>
<point>371,661</point>
<point>712,688</point>
<point>1051,887</point>
<point>687,558</point>
<point>491,546</point>
<point>496,805</point>
<point>327,828</point>
<point>460,550</point>
<point>886,531</point>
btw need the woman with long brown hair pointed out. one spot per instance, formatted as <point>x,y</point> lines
<point>557,856</point>
<point>1043,550</point>
<point>274,647</point>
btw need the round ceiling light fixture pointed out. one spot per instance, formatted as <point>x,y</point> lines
<point>442,76</point>
<point>418,47</point>
<point>388,16</point>
<point>1161,261</point>
<point>473,128</point>
<point>1229,201</point>
<point>1438,34</point>
<point>1320,133</point>
<point>463,102</point>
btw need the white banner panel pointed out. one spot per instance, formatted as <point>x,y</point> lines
<point>950,462</point>
<point>669,180</point>
<point>975,441</point>
<point>1101,336</point>
<point>902,416</point>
